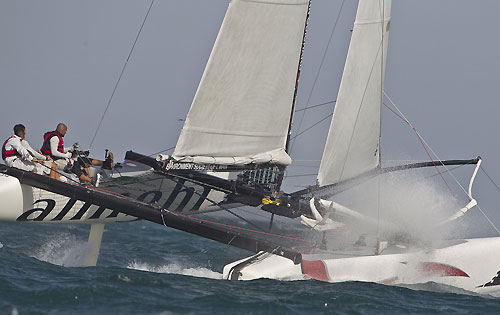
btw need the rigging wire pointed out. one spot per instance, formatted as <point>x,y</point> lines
<point>317,73</point>
<point>314,125</point>
<point>314,106</point>
<point>445,171</point>
<point>491,179</point>
<point>496,186</point>
<point>426,145</point>
<point>488,219</point>
<point>121,74</point>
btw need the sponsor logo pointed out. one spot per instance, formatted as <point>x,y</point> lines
<point>179,199</point>
<point>46,207</point>
<point>187,193</point>
<point>171,165</point>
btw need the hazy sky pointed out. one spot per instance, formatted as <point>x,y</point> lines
<point>60,61</point>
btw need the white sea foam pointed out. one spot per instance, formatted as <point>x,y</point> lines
<point>63,250</point>
<point>403,202</point>
<point>176,269</point>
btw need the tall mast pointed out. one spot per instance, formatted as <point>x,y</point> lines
<point>294,101</point>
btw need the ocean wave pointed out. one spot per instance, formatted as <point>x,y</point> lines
<point>64,250</point>
<point>199,272</point>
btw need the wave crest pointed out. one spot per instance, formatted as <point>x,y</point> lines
<point>176,269</point>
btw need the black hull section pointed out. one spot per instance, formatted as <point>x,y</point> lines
<point>147,212</point>
<point>288,205</point>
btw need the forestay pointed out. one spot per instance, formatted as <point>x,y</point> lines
<point>241,111</point>
<point>352,146</point>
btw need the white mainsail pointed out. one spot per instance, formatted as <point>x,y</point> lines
<point>241,111</point>
<point>352,146</point>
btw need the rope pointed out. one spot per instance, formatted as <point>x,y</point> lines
<point>121,74</point>
<point>317,73</point>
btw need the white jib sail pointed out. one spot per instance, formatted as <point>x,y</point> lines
<point>352,146</point>
<point>241,111</point>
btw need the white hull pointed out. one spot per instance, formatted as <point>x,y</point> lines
<point>29,204</point>
<point>471,264</point>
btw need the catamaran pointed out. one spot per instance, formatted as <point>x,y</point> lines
<point>233,151</point>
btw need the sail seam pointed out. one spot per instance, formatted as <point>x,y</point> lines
<point>233,133</point>
<point>372,21</point>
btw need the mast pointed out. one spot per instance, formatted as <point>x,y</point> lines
<point>294,102</point>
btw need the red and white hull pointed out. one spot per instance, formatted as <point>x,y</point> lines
<point>470,264</point>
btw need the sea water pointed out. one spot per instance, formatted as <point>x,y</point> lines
<point>146,268</point>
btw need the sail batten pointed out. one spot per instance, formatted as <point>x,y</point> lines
<point>241,110</point>
<point>352,146</point>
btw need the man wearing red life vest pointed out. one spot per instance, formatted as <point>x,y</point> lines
<point>53,146</point>
<point>17,152</point>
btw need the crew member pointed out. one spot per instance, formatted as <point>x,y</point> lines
<point>17,153</point>
<point>53,146</point>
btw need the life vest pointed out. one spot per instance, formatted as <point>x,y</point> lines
<point>46,143</point>
<point>8,153</point>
